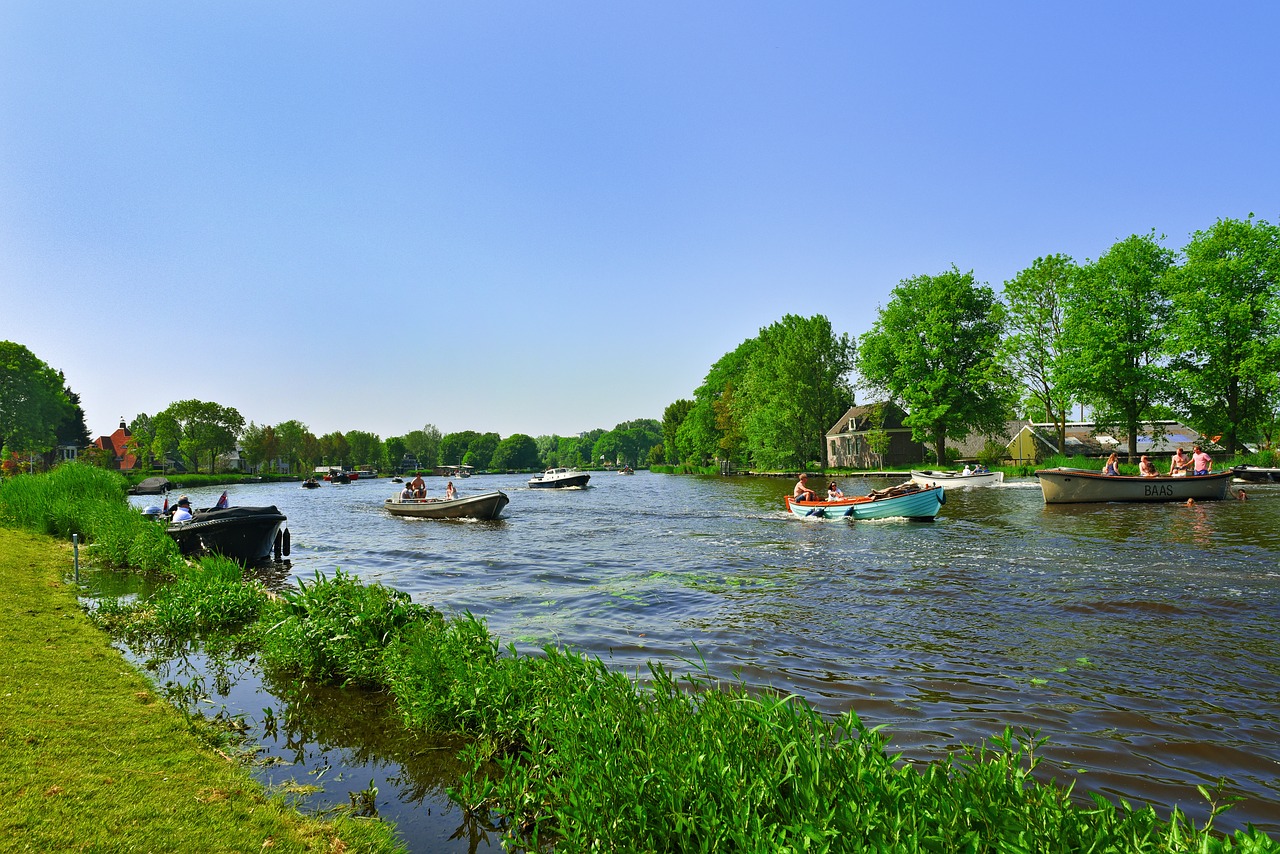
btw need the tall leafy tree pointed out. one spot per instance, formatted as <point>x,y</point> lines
<point>517,451</point>
<point>1224,336</point>
<point>203,428</point>
<point>142,435</point>
<point>1114,331</point>
<point>935,348</point>
<point>293,444</point>
<point>1036,300</point>
<point>366,448</point>
<point>794,388</point>
<point>73,431</point>
<point>480,450</point>
<point>454,446</point>
<point>33,401</point>
<point>672,418</point>
<point>334,449</point>
<point>425,445</point>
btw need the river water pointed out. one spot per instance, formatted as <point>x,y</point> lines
<point>1142,640</point>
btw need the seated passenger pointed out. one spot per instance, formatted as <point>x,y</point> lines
<point>406,494</point>
<point>1145,468</point>
<point>802,492</point>
<point>833,492</point>
<point>182,513</point>
<point>1112,468</point>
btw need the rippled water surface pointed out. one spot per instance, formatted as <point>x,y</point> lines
<point>1141,639</point>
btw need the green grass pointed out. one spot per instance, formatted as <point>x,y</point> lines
<point>91,760</point>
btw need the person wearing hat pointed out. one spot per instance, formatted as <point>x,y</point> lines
<point>182,513</point>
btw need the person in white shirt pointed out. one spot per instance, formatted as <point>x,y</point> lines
<point>182,513</point>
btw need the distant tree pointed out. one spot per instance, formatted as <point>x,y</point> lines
<point>1036,300</point>
<point>309,451</point>
<point>794,388</point>
<point>454,446</point>
<point>517,451</point>
<point>393,451</point>
<point>366,448</point>
<point>548,450</point>
<point>251,445</point>
<point>480,450</point>
<point>291,437</point>
<point>73,431</point>
<point>33,401</point>
<point>672,418</point>
<point>935,348</point>
<point>1114,333</point>
<point>203,427</point>
<point>1224,335</point>
<point>658,455</point>
<point>334,449</point>
<point>142,434</point>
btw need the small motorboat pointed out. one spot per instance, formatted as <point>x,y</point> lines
<point>1250,474</point>
<point>311,483</point>
<point>908,500</point>
<point>484,506</point>
<point>949,479</point>
<point>559,478</point>
<point>626,470</point>
<point>1081,486</point>
<point>245,534</point>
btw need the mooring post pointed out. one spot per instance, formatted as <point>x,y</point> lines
<point>75,547</point>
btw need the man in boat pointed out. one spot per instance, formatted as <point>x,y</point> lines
<point>1201,463</point>
<point>1145,468</point>
<point>802,492</point>
<point>419,487</point>
<point>406,494</point>
<point>1179,465</point>
<point>182,513</point>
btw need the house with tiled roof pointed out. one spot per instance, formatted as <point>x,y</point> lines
<point>117,445</point>
<point>850,440</point>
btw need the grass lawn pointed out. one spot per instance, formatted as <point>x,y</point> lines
<point>92,760</point>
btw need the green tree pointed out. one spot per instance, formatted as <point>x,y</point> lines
<point>260,445</point>
<point>480,450</point>
<point>672,418</point>
<point>424,444</point>
<point>393,451</point>
<point>935,348</point>
<point>454,446</point>
<point>33,401</point>
<point>795,387</point>
<point>291,436</point>
<point>517,451</point>
<point>73,431</point>
<point>334,449</point>
<point>1036,300</point>
<point>1224,336</point>
<point>142,435</point>
<point>203,428</point>
<point>1117,310</point>
<point>366,448</point>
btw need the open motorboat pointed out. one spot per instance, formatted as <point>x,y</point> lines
<point>949,479</point>
<point>909,500</point>
<point>1251,474</point>
<point>559,478</point>
<point>484,506</point>
<point>244,534</point>
<point>626,470</point>
<point>1078,486</point>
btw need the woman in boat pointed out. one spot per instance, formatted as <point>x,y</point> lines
<point>802,492</point>
<point>833,492</point>
<point>449,492</point>
<point>1111,469</point>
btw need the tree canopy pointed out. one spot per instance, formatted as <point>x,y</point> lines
<point>200,427</point>
<point>33,401</point>
<point>1036,300</point>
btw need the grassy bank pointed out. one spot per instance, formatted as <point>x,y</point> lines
<point>91,759</point>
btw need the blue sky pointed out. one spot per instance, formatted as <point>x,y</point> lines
<point>551,217</point>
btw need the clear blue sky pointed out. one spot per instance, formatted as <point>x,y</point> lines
<point>550,217</point>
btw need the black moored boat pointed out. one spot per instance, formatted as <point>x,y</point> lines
<point>244,534</point>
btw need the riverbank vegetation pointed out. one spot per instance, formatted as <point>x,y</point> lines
<point>565,752</point>
<point>92,760</point>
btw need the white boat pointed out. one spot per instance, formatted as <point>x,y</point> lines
<point>559,478</point>
<point>951,479</point>
<point>1077,486</point>
<point>1256,474</point>
<point>484,506</point>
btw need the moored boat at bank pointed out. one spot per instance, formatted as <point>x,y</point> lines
<point>1082,486</point>
<point>1256,474</point>
<point>487,505</point>
<point>908,500</point>
<point>245,534</point>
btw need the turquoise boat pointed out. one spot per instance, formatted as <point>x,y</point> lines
<point>907,501</point>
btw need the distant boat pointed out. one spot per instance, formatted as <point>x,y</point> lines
<point>1247,474</point>
<point>626,470</point>
<point>1081,486</point>
<point>932,477</point>
<point>907,500</point>
<point>484,506</point>
<point>559,478</point>
<point>311,483</point>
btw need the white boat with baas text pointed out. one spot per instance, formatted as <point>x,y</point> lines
<point>1082,486</point>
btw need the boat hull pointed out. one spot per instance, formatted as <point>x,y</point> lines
<point>1256,474</point>
<point>920,505</point>
<point>245,534</point>
<point>486,506</point>
<point>1082,486</point>
<point>950,479</point>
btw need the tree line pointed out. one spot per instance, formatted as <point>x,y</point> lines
<point>39,412</point>
<point>1143,333</point>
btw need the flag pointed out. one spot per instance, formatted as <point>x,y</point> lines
<point>166,505</point>
<point>222,502</point>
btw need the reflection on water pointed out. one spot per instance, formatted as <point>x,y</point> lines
<point>1141,639</point>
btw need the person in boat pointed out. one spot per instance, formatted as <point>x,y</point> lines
<point>967,471</point>
<point>1179,465</point>
<point>406,494</point>
<point>802,492</point>
<point>419,487</point>
<point>449,492</point>
<point>1201,463</point>
<point>833,492</point>
<point>1112,468</point>
<point>1145,468</point>
<point>182,513</point>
